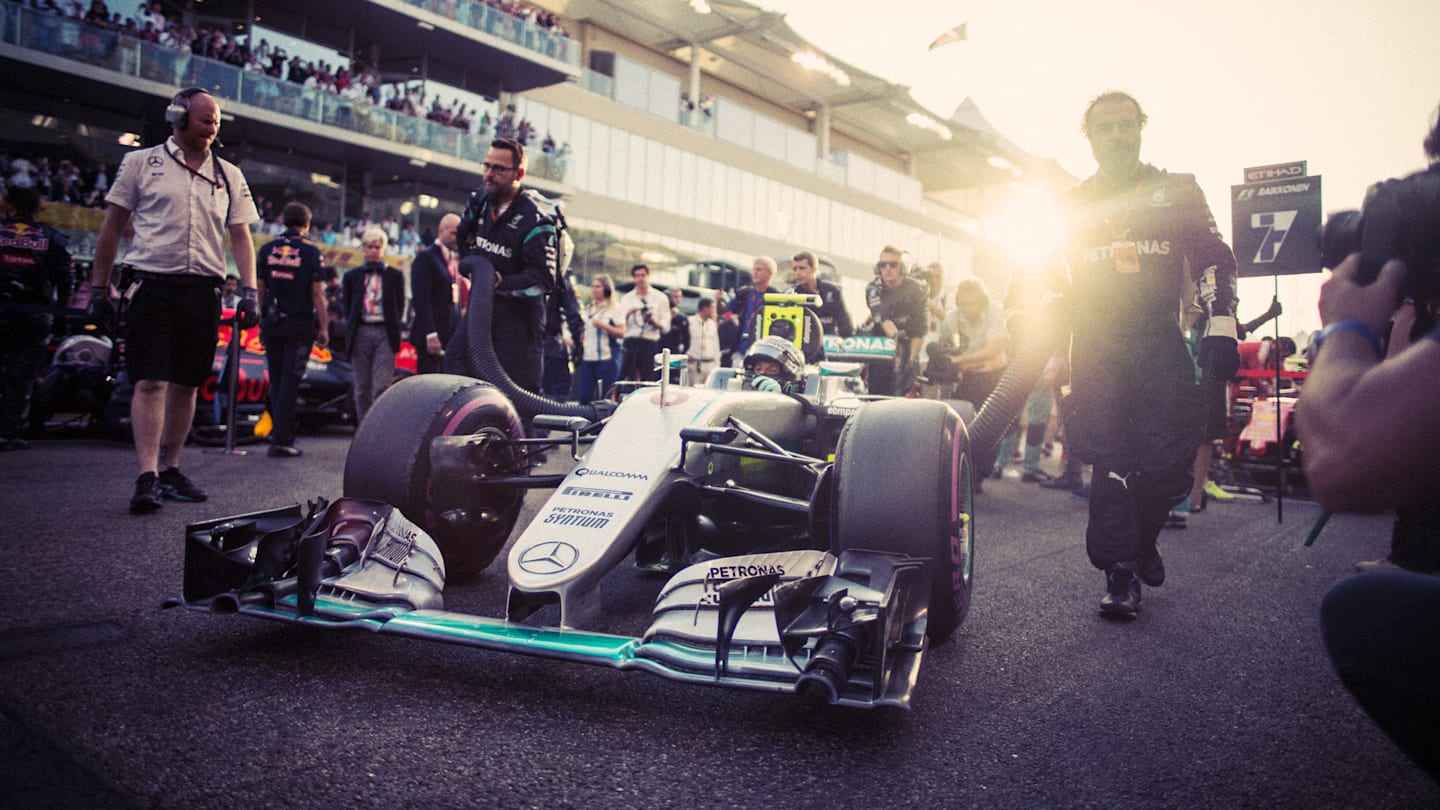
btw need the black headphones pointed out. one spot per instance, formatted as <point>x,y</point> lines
<point>605,285</point>
<point>178,113</point>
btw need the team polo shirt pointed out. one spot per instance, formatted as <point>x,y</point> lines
<point>180,217</point>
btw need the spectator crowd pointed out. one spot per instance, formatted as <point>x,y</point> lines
<point>357,82</point>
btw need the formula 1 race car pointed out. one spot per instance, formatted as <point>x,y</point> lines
<point>813,541</point>
<point>86,380</point>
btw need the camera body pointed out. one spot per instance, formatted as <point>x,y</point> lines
<point>1400,219</point>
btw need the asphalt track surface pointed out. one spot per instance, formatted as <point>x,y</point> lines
<point>1219,695</point>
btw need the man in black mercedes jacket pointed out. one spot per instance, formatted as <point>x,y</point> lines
<point>513,230</point>
<point>1138,237</point>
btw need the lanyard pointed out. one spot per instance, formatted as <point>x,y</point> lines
<point>214,161</point>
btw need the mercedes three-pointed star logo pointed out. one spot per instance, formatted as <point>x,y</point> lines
<point>548,558</point>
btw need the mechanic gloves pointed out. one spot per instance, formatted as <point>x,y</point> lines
<point>99,312</point>
<point>1219,353</point>
<point>248,313</point>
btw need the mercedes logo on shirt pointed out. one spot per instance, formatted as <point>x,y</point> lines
<point>548,558</point>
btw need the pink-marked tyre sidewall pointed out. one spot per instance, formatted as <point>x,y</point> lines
<point>389,461</point>
<point>902,485</point>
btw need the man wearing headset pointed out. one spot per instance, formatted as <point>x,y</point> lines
<point>182,200</point>
<point>897,310</point>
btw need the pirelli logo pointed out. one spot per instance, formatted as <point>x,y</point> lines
<point>592,492</point>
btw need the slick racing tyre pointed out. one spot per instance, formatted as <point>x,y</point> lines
<point>902,485</point>
<point>389,461</point>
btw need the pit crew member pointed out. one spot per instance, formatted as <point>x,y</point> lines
<point>184,200</point>
<point>292,295</point>
<point>833,315</point>
<point>34,276</point>
<point>1135,411</point>
<point>897,309</point>
<point>508,227</point>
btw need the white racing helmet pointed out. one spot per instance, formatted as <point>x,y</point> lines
<point>782,351</point>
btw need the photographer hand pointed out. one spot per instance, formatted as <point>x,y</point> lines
<point>1342,298</point>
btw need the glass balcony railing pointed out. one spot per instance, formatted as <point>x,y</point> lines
<point>71,39</point>
<point>482,17</point>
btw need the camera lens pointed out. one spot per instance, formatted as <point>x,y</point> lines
<point>1340,237</point>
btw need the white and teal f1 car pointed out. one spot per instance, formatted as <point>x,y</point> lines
<point>812,542</point>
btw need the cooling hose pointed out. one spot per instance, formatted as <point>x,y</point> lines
<point>1002,407</point>
<point>478,358</point>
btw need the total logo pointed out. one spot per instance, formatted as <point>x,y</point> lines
<point>548,558</point>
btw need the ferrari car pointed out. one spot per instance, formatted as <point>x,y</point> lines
<point>809,542</point>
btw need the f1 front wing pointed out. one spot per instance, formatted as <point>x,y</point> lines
<point>850,627</point>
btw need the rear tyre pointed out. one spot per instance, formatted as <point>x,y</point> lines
<point>389,461</point>
<point>902,485</point>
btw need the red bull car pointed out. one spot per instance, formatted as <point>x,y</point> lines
<point>86,380</point>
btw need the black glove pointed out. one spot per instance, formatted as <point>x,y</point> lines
<point>248,313</point>
<point>1219,356</point>
<point>99,312</point>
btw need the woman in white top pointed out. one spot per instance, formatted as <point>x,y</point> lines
<point>604,327</point>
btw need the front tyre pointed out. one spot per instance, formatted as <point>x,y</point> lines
<point>902,485</point>
<point>389,461</point>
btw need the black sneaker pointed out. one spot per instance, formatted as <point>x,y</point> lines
<point>1151,569</point>
<point>147,494</point>
<point>283,451</point>
<point>1036,477</point>
<point>177,487</point>
<point>1122,593</point>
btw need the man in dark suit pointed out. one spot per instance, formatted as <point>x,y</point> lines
<point>436,295</point>
<point>374,306</point>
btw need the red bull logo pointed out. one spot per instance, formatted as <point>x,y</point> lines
<point>284,256</point>
<point>22,236</point>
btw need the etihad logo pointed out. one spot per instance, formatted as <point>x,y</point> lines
<point>1262,174</point>
<point>1285,173</point>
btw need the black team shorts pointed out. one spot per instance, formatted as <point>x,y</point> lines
<point>171,330</point>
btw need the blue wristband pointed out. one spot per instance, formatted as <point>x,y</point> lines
<point>1359,328</point>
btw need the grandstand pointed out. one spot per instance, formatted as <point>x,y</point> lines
<point>672,136</point>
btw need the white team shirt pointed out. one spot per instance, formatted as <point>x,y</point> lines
<point>180,219</point>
